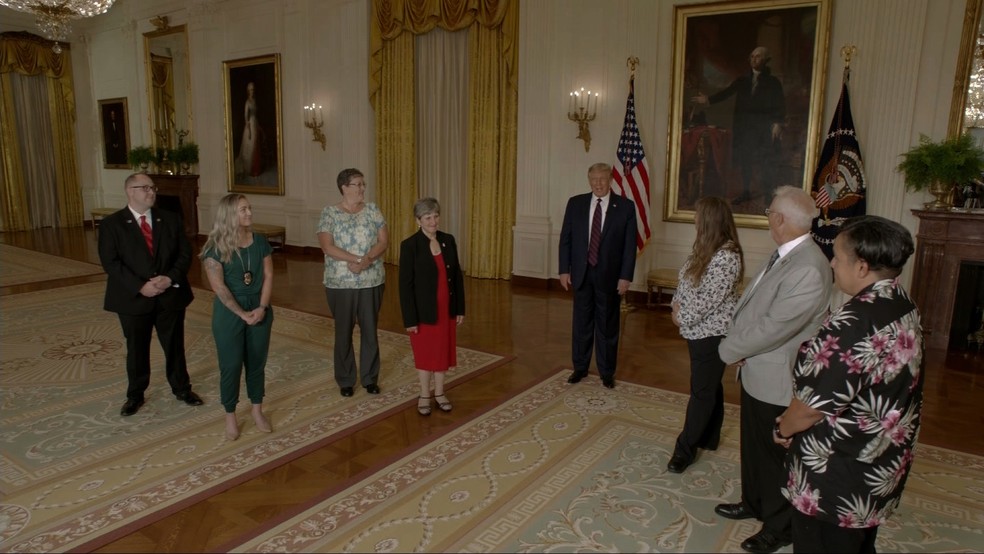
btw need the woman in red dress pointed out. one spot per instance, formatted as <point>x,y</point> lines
<point>432,299</point>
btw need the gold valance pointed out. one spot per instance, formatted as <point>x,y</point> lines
<point>29,54</point>
<point>389,18</point>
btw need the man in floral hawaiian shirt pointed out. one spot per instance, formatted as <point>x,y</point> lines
<point>853,420</point>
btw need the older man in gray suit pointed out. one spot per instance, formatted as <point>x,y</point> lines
<point>782,307</point>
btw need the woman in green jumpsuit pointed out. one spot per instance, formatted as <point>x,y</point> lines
<point>239,267</point>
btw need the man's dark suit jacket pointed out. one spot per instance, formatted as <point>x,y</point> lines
<point>616,255</point>
<point>418,279</point>
<point>129,264</point>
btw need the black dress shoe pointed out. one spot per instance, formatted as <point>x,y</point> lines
<point>131,406</point>
<point>346,391</point>
<point>191,399</point>
<point>764,542</point>
<point>576,377</point>
<point>372,389</point>
<point>609,382</point>
<point>677,464</point>
<point>734,511</point>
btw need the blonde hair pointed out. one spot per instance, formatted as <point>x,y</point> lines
<point>224,236</point>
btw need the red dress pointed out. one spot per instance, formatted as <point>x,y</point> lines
<point>434,343</point>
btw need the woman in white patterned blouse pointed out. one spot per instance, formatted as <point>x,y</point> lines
<point>705,299</point>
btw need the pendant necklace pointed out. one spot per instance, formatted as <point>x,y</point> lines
<point>247,274</point>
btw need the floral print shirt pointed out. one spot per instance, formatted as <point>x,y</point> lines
<point>356,233</point>
<point>862,370</point>
<point>706,309</point>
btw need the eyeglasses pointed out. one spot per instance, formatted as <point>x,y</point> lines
<point>769,212</point>
<point>362,184</point>
<point>145,188</point>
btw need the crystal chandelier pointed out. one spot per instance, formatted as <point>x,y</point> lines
<point>54,17</point>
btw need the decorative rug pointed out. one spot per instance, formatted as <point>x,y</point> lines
<point>580,468</point>
<point>19,266</point>
<point>73,471</point>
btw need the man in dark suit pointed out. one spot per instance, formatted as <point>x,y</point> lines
<point>597,258</point>
<point>759,114</point>
<point>147,256</point>
<point>783,306</point>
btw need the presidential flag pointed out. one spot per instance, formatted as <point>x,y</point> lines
<point>838,184</point>
<point>630,171</point>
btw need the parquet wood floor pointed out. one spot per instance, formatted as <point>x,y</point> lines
<point>531,323</point>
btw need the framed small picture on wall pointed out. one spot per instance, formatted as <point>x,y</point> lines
<point>115,132</point>
<point>254,152</point>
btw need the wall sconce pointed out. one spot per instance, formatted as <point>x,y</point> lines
<point>314,120</point>
<point>581,112</point>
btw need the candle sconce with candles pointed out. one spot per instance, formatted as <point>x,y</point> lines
<point>581,111</point>
<point>314,120</point>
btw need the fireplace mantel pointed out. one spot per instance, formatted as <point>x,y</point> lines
<point>185,189</point>
<point>945,240</point>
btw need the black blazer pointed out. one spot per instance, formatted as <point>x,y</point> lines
<point>418,279</point>
<point>617,253</point>
<point>129,264</point>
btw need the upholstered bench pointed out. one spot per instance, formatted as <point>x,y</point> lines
<point>99,213</point>
<point>662,278</point>
<point>272,232</point>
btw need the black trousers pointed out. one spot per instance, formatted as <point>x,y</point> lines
<point>763,466</point>
<point>705,409</point>
<point>596,324</point>
<point>138,330</point>
<point>812,535</point>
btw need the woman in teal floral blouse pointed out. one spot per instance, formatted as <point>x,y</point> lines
<point>353,237</point>
<point>851,427</point>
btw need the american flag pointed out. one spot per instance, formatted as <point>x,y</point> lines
<point>630,171</point>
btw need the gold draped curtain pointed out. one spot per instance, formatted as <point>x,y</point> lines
<point>493,58</point>
<point>162,79</point>
<point>28,54</point>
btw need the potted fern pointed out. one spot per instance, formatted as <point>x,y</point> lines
<point>185,155</point>
<point>941,166</point>
<point>140,156</point>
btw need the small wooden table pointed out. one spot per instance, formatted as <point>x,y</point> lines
<point>662,278</point>
<point>99,213</point>
<point>271,232</point>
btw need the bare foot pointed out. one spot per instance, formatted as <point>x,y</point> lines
<point>231,427</point>
<point>262,423</point>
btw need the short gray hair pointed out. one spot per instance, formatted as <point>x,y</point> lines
<point>797,206</point>
<point>426,206</point>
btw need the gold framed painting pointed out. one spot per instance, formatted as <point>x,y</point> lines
<point>115,119</point>
<point>746,103</point>
<point>254,145</point>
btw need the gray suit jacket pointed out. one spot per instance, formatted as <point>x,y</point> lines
<point>774,317</point>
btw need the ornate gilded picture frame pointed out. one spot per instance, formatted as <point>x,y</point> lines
<point>115,120</point>
<point>747,103</point>
<point>254,145</point>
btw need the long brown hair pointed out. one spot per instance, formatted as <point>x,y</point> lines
<point>715,230</point>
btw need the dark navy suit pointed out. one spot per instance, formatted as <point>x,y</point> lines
<point>129,264</point>
<point>596,298</point>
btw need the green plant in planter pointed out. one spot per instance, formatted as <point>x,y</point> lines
<point>185,155</point>
<point>140,156</point>
<point>939,166</point>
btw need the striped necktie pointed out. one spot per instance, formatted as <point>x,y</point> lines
<point>772,261</point>
<point>595,242</point>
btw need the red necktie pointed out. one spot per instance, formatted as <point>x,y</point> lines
<point>148,234</point>
<point>595,242</point>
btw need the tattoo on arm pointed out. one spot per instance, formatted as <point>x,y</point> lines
<point>216,278</point>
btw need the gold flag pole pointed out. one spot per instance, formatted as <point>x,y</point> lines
<point>624,308</point>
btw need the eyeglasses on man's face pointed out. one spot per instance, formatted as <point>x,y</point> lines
<point>769,211</point>
<point>145,188</point>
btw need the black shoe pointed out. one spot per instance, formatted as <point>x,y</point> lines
<point>191,399</point>
<point>346,391</point>
<point>677,464</point>
<point>734,511</point>
<point>764,542</point>
<point>372,389</point>
<point>609,382</point>
<point>576,377</point>
<point>131,406</point>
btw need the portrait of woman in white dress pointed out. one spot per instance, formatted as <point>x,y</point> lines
<point>249,162</point>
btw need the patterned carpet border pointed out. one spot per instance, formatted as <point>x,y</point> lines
<point>562,468</point>
<point>19,266</point>
<point>74,475</point>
